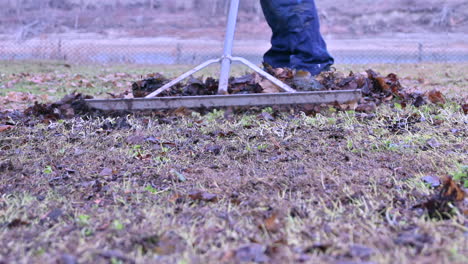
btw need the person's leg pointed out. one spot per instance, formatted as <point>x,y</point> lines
<point>309,50</point>
<point>276,16</point>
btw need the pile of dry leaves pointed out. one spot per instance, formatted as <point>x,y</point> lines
<point>376,89</point>
<point>68,107</point>
<point>442,204</point>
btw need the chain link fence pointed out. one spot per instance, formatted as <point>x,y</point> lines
<point>154,51</point>
<point>157,32</point>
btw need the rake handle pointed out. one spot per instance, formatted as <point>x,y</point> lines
<point>228,43</point>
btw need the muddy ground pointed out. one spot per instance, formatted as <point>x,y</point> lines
<point>256,186</point>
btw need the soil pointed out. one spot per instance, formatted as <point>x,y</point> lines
<point>261,186</point>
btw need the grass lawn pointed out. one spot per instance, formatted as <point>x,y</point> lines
<point>338,187</point>
<point>58,79</point>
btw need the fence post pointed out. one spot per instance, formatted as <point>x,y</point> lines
<point>420,52</point>
<point>179,54</point>
<point>59,49</point>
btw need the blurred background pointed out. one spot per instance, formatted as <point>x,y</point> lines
<point>191,31</point>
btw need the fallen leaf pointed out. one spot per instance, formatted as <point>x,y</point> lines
<point>20,97</point>
<point>176,198</point>
<point>431,180</point>
<point>103,226</point>
<point>440,205</point>
<point>144,87</point>
<point>382,84</point>
<point>465,108</point>
<point>17,223</point>
<point>203,196</point>
<point>269,87</point>
<point>419,101</point>
<point>451,190</point>
<point>366,107</point>
<point>166,244</point>
<point>317,247</point>
<point>5,127</point>
<point>436,97</point>
<point>272,223</point>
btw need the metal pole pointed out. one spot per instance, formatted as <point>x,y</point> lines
<point>228,40</point>
<point>225,61</point>
<point>182,77</point>
<point>265,74</point>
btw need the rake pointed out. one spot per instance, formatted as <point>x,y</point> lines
<point>289,96</point>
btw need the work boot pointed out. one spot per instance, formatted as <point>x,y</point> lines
<point>304,81</point>
<point>296,41</point>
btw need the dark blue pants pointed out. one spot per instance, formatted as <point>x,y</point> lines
<point>296,42</point>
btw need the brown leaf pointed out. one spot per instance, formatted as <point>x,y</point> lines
<point>436,97</point>
<point>166,244</point>
<point>181,111</point>
<point>103,226</point>
<point>451,190</point>
<point>144,157</point>
<point>144,87</point>
<point>269,87</point>
<point>176,198</point>
<point>382,84</point>
<point>366,107</point>
<point>203,196</point>
<point>318,247</point>
<point>440,205</point>
<point>348,106</point>
<point>283,74</point>
<point>78,77</point>
<point>272,223</point>
<point>17,223</point>
<point>19,97</point>
<point>5,127</point>
<point>465,108</point>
